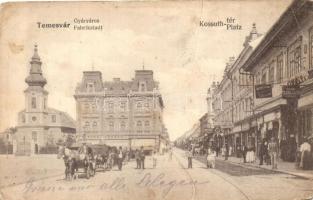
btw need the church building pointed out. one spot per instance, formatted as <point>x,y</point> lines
<point>39,126</point>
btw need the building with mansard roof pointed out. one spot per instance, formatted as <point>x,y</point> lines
<point>120,113</point>
<point>38,125</point>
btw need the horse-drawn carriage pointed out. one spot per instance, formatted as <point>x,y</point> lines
<point>101,155</point>
<point>79,159</point>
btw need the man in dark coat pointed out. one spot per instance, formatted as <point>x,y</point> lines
<point>263,151</point>
<point>244,153</point>
<point>142,158</point>
<point>137,157</point>
<point>226,151</point>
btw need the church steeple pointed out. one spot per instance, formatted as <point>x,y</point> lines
<point>35,77</point>
<point>252,36</point>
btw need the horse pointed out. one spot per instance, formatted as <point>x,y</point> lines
<point>69,162</point>
<point>74,160</point>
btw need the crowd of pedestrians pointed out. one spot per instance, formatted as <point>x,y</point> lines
<point>269,151</point>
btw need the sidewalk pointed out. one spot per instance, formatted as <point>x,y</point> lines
<point>283,167</point>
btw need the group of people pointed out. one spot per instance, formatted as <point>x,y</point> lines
<point>210,157</point>
<point>269,152</point>
<point>248,154</point>
<point>140,158</point>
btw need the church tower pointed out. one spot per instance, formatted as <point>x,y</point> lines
<point>35,95</point>
<point>39,127</point>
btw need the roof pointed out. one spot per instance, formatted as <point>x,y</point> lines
<point>256,42</point>
<point>117,86</point>
<point>66,119</point>
<point>272,34</point>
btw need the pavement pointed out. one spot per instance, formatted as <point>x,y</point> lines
<point>283,167</point>
<point>169,180</point>
<point>17,170</point>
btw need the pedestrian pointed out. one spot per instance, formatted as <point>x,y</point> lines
<point>230,152</point>
<point>217,150</point>
<point>170,154</point>
<point>244,153</point>
<point>120,159</point>
<point>110,159</point>
<point>189,157</point>
<point>273,151</point>
<point>263,148</point>
<point>154,159</point>
<point>223,150</point>
<point>305,150</point>
<point>137,157</point>
<point>211,159</point>
<point>226,151</point>
<point>142,158</point>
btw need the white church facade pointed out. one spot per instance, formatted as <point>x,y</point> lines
<point>38,125</point>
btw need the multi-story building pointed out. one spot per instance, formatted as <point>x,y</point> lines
<point>120,113</point>
<point>38,125</point>
<point>232,99</point>
<point>284,60</point>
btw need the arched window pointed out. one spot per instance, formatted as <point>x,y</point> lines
<point>123,105</point>
<point>94,124</point>
<point>123,125</point>
<point>139,124</point>
<point>34,102</point>
<point>86,124</point>
<point>139,105</point>
<point>147,123</point>
<point>142,87</point>
<point>86,107</point>
<point>111,125</point>
<point>94,107</point>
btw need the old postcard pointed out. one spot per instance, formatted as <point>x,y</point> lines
<point>153,100</point>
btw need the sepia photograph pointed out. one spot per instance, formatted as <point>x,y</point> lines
<point>156,100</point>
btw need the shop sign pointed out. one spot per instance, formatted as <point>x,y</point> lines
<point>263,91</point>
<point>290,91</point>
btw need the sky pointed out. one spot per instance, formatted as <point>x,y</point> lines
<point>164,35</point>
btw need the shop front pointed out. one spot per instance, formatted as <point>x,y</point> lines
<point>237,142</point>
<point>305,113</point>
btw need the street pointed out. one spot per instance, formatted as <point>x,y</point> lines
<point>169,180</point>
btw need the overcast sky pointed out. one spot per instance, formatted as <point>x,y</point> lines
<point>166,36</point>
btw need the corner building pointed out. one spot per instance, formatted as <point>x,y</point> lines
<point>120,113</point>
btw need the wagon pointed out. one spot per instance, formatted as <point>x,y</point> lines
<point>83,164</point>
<point>100,152</point>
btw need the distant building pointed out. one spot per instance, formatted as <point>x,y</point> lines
<point>120,113</point>
<point>232,100</point>
<point>38,125</point>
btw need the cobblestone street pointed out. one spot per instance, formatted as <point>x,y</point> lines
<point>169,180</point>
